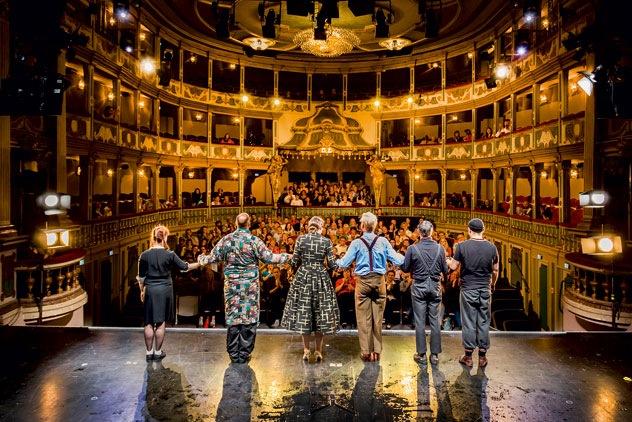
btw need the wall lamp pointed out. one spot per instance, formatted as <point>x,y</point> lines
<point>593,199</point>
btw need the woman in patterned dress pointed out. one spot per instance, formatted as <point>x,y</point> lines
<point>311,305</point>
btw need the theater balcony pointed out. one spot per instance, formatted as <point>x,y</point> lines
<point>597,294</point>
<point>48,290</point>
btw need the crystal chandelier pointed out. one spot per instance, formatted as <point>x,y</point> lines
<point>339,41</point>
<point>395,44</point>
<point>259,44</point>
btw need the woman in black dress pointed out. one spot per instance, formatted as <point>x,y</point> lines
<point>311,305</point>
<point>156,288</point>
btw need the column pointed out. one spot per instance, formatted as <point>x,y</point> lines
<point>443,75</point>
<point>210,76</point>
<point>156,182</point>
<point>86,162</point>
<point>590,181</point>
<point>345,80</point>
<point>378,82</point>
<point>309,91</point>
<point>179,169</point>
<point>180,65</point>
<point>60,149</point>
<point>89,80</point>
<point>535,104</point>
<point>411,90</point>
<point>535,184</point>
<point>510,184</point>
<point>116,188</point>
<point>135,167</point>
<point>564,191</point>
<point>5,134</point>
<point>473,188</point>
<point>242,79</point>
<point>494,189</point>
<point>276,84</point>
<point>242,180</point>
<point>562,79</point>
<point>209,189</point>
<point>444,186</point>
<point>496,115</point>
<point>411,187</point>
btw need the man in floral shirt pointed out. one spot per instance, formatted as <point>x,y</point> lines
<point>241,251</point>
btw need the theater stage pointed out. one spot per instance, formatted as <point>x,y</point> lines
<point>85,374</point>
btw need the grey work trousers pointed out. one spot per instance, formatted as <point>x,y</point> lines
<point>475,318</point>
<point>426,297</point>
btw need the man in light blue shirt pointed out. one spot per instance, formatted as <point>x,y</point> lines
<point>370,254</point>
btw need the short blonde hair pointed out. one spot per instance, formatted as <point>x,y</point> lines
<point>159,236</point>
<point>369,220</point>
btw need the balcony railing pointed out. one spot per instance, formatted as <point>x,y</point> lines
<point>544,233</point>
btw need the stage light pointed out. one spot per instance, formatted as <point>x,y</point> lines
<point>501,71</point>
<point>522,49</point>
<point>53,203</point>
<point>530,10</point>
<point>51,239</point>
<point>530,16</point>
<point>586,82</point>
<point>147,65</point>
<point>605,244</point>
<point>51,200</point>
<point>593,199</point>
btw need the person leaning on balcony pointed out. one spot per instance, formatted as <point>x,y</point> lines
<point>156,289</point>
<point>506,129</point>
<point>477,259</point>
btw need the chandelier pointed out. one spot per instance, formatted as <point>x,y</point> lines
<point>395,44</point>
<point>259,44</point>
<point>339,41</point>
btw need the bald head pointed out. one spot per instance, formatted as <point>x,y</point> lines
<point>243,220</point>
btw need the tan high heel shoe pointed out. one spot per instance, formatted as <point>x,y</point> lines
<point>306,353</point>
<point>319,356</point>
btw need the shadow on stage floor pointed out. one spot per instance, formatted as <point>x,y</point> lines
<point>89,374</point>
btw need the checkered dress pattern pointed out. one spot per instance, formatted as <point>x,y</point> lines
<point>311,302</point>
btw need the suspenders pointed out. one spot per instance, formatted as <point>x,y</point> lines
<point>370,248</point>
<point>427,268</point>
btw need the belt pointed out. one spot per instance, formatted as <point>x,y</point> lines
<point>371,275</point>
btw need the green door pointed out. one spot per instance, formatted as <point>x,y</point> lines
<point>544,293</point>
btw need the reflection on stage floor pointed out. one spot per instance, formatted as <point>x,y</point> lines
<point>101,375</point>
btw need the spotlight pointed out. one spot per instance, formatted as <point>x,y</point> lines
<point>522,49</point>
<point>530,10</point>
<point>501,71</point>
<point>593,199</point>
<point>147,65</point>
<point>53,203</point>
<point>121,9</point>
<point>127,41</point>
<point>605,244</point>
<point>587,82</point>
<point>55,238</point>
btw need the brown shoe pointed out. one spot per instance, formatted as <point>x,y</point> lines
<point>482,361</point>
<point>420,359</point>
<point>375,357</point>
<point>366,357</point>
<point>466,360</point>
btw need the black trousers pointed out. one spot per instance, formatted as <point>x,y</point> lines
<point>240,340</point>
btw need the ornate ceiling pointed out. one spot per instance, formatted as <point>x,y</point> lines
<point>457,21</point>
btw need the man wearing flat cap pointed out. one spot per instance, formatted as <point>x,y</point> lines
<point>478,259</point>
